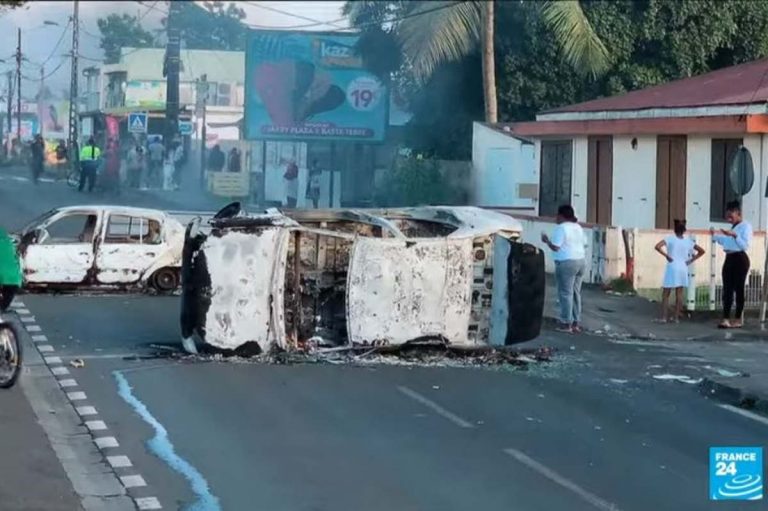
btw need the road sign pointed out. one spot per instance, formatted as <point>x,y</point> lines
<point>186,128</point>
<point>137,122</point>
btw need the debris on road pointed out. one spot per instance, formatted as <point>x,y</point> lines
<point>77,363</point>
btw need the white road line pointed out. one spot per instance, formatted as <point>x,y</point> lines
<point>52,360</point>
<point>133,481</point>
<point>86,410</point>
<point>18,305</point>
<point>119,461</point>
<point>95,425</point>
<point>45,348</point>
<point>68,383</point>
<point>105,442</point>
<point>33,328</point>
<point>23,312</point>
<point>745,413</point>
<point>148,503</point>
<point>60,371</point>
<point>39,338</point>
<point>77,396</point>
<point>435,407</point>
<point>553,476</point>
<point>27,319</point>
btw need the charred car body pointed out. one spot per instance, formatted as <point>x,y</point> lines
<point>101,247</point>
<point>359,277</point>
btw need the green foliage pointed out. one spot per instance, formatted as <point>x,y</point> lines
<point>214,26</point>
<point>415,181</point>
<point>122,30</point>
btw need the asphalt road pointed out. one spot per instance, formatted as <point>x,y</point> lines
<point>591,430</point>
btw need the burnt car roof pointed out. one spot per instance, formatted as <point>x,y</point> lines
<point>465,220</point>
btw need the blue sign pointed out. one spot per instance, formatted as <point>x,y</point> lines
<point>186,128</point>
<point>735,473</point>
<point>137,122</point>
<point>310,86</point>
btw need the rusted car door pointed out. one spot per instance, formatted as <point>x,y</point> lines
<point>129,245</point>
<point>63,251</point>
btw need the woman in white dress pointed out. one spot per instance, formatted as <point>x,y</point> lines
<point>680,252</point>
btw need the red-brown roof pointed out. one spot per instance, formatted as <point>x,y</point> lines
<point>735,85</point>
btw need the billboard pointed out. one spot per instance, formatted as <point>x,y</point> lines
<point>310,86</point>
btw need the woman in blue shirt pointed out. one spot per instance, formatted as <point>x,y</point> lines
<point>735,243</point>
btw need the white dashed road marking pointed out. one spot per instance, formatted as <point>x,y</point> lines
<point>68,383</point>
<point>52,360</point>
<point>106,442</point>
<point>39,338</point>
<point>745,413</point>
<point>95,425</point>
<point>27,319</point>
<point>45,348</point>
<point>556,478</point>
<point>133,481</point>
<point>60,371</point>
<point>86,410</point>
<point>34,328</point>
<point>119,461</point>
<point>148,503</point>
<point>435,407</point>
<point>23,312</point>
<point>77,396</point>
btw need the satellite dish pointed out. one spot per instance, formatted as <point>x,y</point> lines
<point>741,172</point>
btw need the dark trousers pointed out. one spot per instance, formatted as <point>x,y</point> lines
<point>735,271</point>
<point>87,173</point>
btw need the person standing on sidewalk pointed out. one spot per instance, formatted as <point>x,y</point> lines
<point>38,158</point>
<point>681,252</point>
<point>89,162</point>
<point>568,245</point>
<point>291,184</point>
<point>735,243</point>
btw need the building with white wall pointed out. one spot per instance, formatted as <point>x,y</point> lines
<point>504,174</point>
<point>648,157</point>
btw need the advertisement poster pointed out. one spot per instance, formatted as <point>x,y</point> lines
<point>145,94</point>
<point>310,86</point>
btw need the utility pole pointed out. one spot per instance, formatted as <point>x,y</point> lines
<point>18,90</point>
<point>10,108</point>
<point>202,102</point>
<point>172,56</point>
<point>74,152</point>
<point>40,104</point>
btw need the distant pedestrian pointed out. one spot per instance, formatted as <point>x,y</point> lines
<point>216,159</point>
<point>89,161</point>
<point>568,245</point>
<point>112,168</point>
<point>37,160</point>
<point>135,162</point>
<point>291,183</point>
<point>313,183</point>
<point>680,251</point>
<point>735,243</point>
<point>178,163</point>
<point>156,157</point>
<point>62,154</point>
<point>234,164</point>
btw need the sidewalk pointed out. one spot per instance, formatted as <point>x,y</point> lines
<point>735,361</point>
<point>31,477</point>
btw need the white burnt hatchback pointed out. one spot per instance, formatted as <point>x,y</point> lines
<point>457,275</point>
<point>102,247</point>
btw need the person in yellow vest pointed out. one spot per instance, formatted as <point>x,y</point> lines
<point>89,160</point>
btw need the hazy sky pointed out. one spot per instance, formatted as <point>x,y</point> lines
<point>39,40</point>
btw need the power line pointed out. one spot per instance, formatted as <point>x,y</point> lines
<point>48,75</point>
<point>58,43</point>
<point>297,16</point>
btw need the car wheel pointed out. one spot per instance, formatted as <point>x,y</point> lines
<point>165,280</point>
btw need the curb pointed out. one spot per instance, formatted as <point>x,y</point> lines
<point>734,395</point>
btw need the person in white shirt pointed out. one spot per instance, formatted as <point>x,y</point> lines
<point>735,243</point>
<point>568,245</point>
<point>681,252</point>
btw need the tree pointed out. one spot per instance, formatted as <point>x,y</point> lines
<point>119,31</point>
<point>436,32</point>
<point>214,26</point>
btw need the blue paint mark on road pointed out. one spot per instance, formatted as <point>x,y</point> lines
<point>161,446</point>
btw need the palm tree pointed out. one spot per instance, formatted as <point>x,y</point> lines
<point>435,32</point>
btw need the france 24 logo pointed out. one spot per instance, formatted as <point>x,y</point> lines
<point>735,473</point>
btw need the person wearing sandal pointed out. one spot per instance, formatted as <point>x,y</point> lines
<point>681,252</point>
<point>568,245</point>
<point>735,243</point>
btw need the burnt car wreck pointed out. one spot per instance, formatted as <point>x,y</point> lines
<point>331,278</point>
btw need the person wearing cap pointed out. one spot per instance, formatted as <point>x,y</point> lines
<point>89,157</point>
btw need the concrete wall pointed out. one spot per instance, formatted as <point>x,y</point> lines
<point>500,164</point>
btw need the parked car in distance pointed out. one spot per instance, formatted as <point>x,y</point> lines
<point>458,275</point>
<point>102,247</point>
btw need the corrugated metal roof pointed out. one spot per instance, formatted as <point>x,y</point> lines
<point>736,85</point>
<point>220,66</point>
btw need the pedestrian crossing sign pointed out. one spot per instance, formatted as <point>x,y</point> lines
<point>137,122</point>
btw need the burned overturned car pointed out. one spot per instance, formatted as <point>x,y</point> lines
<point>333,278</point>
